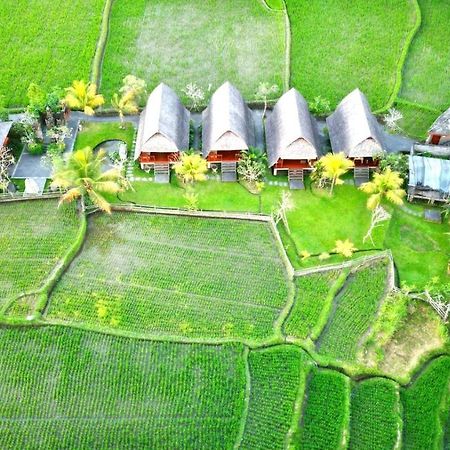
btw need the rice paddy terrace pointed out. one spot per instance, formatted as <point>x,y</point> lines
<point>142,330</point>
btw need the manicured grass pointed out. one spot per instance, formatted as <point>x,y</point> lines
<point>337,47</point>
<point>95,133</point>
<point>375,415</point>
<point>425,77</point>
<point>34,235</point>
<point>277,376</point>
<point>317,221</point>
<point>326,412</point>
<point>201,41</point>
<point>355,310</point>
<point>420,248</point>
<point>422,406</point>
<point>66,388</point>
<point>312,304</point>
<point>47,42</point>
<point>175,276</point>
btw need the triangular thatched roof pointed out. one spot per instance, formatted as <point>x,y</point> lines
<point>442,124</point>
<point>353,128</point>
<point>291,131</point>
<point>227,122</point>
<point>164,123</point>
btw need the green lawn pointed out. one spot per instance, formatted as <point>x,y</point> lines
<point>201,41</point>
<point>47,42</point>
<point>95,133</point>
<point>338,46</point>
<point>66,388</point>
<point>416,121</point>
<point>426,76</point>
<point>420,249</point>
<point>34,235</point>
<point>174,276</point>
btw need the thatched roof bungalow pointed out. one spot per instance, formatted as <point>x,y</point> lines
<point>163,129</point>
<point>5,128</point>
<point>228,128</point>
<point>291,134</point>
<point>439,133</point>
<point>354,130</point>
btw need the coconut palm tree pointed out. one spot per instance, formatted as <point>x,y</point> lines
<point>333,167</point>
<point>82,175</point>
<point>191,167</point>
<point>386,184</point>
<point>83,96</point>
<point>125,104</point>
<point>345,248</point>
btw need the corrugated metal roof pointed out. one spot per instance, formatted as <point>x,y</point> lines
<point>432,173</point>
<point>164,123</point>
<point>442,124</point>
<point>291,131</point>
<point>4,131</point>
<point>227,122</point>
<point>353,128</point>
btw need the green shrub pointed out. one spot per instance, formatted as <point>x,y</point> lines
<point>36,148</point>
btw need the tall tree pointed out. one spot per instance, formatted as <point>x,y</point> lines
<point>124,104</point>
<point>333,166</point>
<point>82,176</point>
<point>83,96</point>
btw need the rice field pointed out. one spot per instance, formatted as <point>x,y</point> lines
<point>326,412</point>
<point>34,235</point>
<point>278,376</point>
<point>426,76</point>
<point>375,415</point>
<point>66,388</point>
<point>210,42</point>
<point>46,42</point>
<point>337,47</point>
<point>312,306</point>
<point>355,310</point>
<point>174,276</point>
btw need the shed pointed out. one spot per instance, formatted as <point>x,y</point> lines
<point>439,133</point>
<point>228,129</point>
<point>163,131</point>
<point>5,128</point>
<point>291,136</point>
<point>429,178</point>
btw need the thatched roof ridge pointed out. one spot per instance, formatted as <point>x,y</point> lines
<point>442,124</point>
<point>227,122</point>
<point>291,131</point>
<point>4,131</point>
<point>164,123</point>
<point>353,128</point>
<point>432,173</point>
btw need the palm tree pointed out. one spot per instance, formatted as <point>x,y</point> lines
<point>191,167</point>
<point>125,104</point>
<point>386,184</point>
<point>83,96</point>
<point>334,166</point>
<point>345,248</point>
<point>82,175</point>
